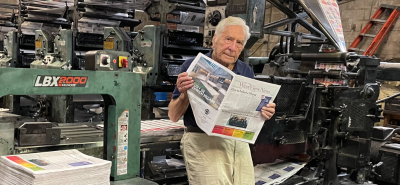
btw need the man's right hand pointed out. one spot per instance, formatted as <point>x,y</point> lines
<point>177,107</point>
<point>184,82</point>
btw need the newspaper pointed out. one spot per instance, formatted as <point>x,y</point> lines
<point>277,172</point>
<point>225,104</point>
<point>326,81</point>
<point>332,13</point>
<point>47,162</point>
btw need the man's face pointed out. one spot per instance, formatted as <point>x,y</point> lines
<point>229,44</point>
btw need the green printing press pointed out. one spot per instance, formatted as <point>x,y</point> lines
<point>121,92</point>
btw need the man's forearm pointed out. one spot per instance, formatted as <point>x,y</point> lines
<point>177,107</point>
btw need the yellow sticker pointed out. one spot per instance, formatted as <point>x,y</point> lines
<point>109,43</point>
<point>123,61</point>
<point>238,133</point>
<point>38,43</point>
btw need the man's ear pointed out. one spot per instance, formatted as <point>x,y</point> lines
<point>214,39</point>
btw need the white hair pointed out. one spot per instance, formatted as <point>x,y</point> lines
<point>233,21</point>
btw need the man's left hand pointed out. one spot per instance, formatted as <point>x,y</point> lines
<point>268,111</point>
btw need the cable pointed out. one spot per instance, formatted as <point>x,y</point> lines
<point>264,42</point>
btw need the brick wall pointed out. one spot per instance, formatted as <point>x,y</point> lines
<point>357,13</point>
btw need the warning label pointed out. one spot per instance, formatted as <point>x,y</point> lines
<point>122,159</point>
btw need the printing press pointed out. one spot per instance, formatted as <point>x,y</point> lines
<point>324,116</point>
<point>328,114</point>
<point>74,36</point>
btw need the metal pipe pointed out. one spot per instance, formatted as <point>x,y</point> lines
<point>258,60</point>
<point>115,18</point>
<point>5,18</point>
<point>143,163</point>
<point>331,57</point>
<point>351,75</point>
<point>289,29</point>
<point>387,98</point>
<point>168,20</point>
<point>287,34</point>
<point>7,25</point>
<point>187,2</point>
<point>389,71</point>
<point>318,73</point>
<point>47,21</point>
<point>314,42</point>
<point>190,8</point>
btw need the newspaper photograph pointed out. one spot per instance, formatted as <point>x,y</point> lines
<point>211,82</point>
<point>225,104</point>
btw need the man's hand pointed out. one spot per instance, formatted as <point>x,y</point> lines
<point>184,82</point>
<point>268,111</point>
<point>177,107</point>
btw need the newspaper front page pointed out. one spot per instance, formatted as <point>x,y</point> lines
<point>225,104</point>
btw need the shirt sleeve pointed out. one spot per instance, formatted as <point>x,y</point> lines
<point>184,68</point>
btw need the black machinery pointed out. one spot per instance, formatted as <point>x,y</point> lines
<point>326,113</point>
<point>154,52</point>
<point>327,104</point>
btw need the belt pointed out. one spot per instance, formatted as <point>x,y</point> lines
<point>193,129</point>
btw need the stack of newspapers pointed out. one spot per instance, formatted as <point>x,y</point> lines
<point>58,167</point>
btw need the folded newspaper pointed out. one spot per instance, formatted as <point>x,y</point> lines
<point>58,167</point>
<point>225,104</point>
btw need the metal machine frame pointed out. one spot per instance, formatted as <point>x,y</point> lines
<point>117,89</point>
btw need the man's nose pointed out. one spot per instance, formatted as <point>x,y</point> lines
<point>232,46</point>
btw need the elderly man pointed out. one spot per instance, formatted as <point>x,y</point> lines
<point>213,160</point>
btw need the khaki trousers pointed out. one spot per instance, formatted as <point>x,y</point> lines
<point>213,160</point>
